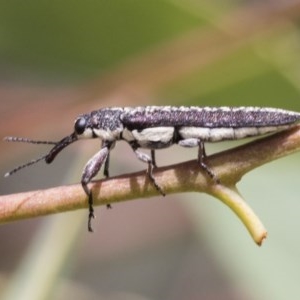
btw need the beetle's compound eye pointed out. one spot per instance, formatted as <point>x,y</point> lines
<point>80,125</point>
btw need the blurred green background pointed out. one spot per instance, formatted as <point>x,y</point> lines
<point>62,58</point>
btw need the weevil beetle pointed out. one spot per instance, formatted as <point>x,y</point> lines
<point>158,127</point>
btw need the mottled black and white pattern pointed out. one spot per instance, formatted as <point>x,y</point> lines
<point>157,127</point>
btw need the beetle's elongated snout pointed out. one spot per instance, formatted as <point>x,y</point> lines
<point>66,141</point>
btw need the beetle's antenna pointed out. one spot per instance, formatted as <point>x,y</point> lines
<point>49,157</point>
<point>26,140</point>
<point>24,166</point>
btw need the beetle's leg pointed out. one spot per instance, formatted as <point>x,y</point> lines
<point>106,172</point>
<point>202,163</point>
<point>106,167</point>
<point>193,142</point>
<point>90,171</point>
<point>153,158</point>
<point>147,159</point>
